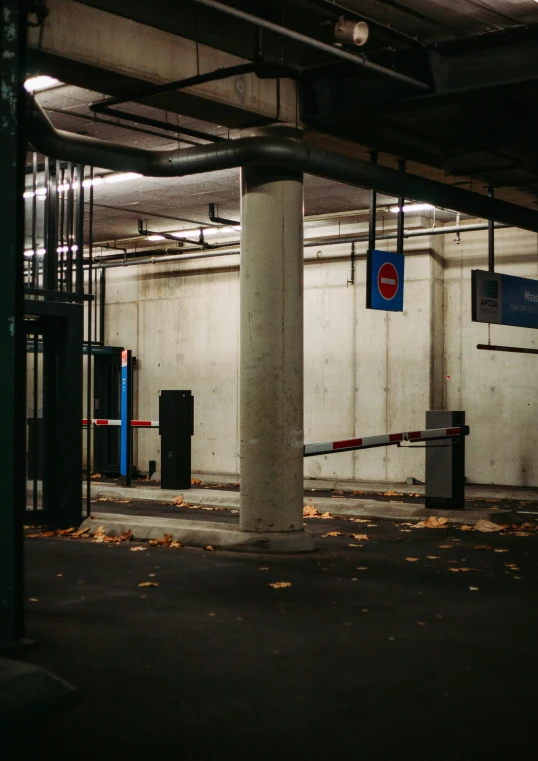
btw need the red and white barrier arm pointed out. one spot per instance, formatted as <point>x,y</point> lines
<point>368,442</point>
<point>111,423</point>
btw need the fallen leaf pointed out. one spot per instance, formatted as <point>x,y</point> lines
<point>464,527</point>
<point>166,541</point>
<point>101,536</point>
<point>209,548</point>
<point>149,584</point>
<point>405,531</point>
<point>59,574</point>
<point>414,494</point>
<point>432,522</point>
<point>362,568</point>
<point>195,481</point>
<point>473,589</point>
<point>371,525</point>
<point>412,560</point>
<point>337,493</point>
<point>500,550</point>
<point>388,493</point>
<point>180,502</point>
<point>360,537</point>
<point>521,533</point>
<point>138,549</point>
<point>80,533</point>
<point>488,526</point>
<point>463,570</point>
<point>263,568</point>
<point>280,584</point>
<point>354,545</point>
<point>42,534</point>
<point>445,546</point>
<point>363,520</point>
<point>421,623</point>
<point>33,599</point>
<point>64,531</point>
<point>482,547</point>
<point>325,516</point>
<point>433,557</point>
<point>336,533</point>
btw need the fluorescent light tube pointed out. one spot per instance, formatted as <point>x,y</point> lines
<point>43,82</point>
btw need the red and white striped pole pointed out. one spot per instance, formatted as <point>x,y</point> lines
<point>368,442</point>
<point>134,423</point>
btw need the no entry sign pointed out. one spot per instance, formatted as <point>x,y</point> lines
<point>385,281</point>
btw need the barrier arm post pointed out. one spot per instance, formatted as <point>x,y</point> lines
<point>126,437</point>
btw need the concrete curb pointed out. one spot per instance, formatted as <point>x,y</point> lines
<point>339,507</point>
<point>195,533</point>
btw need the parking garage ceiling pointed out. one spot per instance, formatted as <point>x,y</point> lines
<point>475,124</point>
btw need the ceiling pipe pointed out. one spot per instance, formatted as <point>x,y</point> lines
<point>164,257</point>
<point>357,59</point>
<point>269,69</point>
<point>284,153</point>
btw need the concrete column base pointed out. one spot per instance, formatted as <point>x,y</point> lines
<point>220,535</point>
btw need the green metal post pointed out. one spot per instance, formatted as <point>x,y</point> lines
<point>12,340</point>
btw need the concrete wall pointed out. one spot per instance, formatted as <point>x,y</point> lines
<point>498,390</point>
<point>366,372</point>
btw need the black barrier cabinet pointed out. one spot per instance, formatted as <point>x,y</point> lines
<point>445,463</point>
<point>176,426</point>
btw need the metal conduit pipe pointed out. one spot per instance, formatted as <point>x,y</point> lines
<point>164,258</point>
<point>293,156</point>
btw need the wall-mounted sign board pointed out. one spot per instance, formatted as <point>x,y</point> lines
<point>384,281</point>
<point>505,299</point>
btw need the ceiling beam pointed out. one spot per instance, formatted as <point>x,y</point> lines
<point>98,50</point>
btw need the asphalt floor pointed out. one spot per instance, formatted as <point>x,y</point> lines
<point>379,648</point>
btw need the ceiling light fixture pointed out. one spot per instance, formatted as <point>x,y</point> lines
<point>43,82</point>
<point>407,207</point>
<point>155,237</point>
<point>121,177</point>
<point>207,231</point>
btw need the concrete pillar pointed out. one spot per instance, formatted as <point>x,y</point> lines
<point>271,366</point>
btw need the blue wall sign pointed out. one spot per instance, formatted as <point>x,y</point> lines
<point>505,299</point>
<point>125,417</point>
<point>385,281</point>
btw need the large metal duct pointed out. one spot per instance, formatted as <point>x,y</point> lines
<point>284,153</point>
